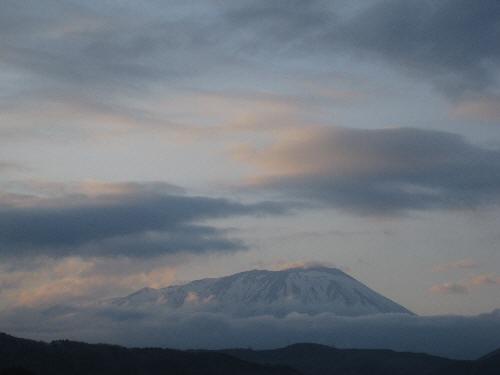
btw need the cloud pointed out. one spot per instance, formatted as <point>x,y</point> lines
<point>482,108</point>
<point>48,281</point>
<point>378,171</point>
<point>467,286</point>
<point>92,58</point>
<point>450,288</point>
<point>156,327</point>
<point>306,265</point>
<point>459,264</point>
<point>485,280</point>
<point>99,53</point>
<point>130,220</point>
<point>87,69</point>
<point>450,43</point>
<point>85,44</point>
<point>8,166</point>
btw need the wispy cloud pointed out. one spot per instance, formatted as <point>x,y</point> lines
<point>46,281</point>
<point>481,108</point>
<point>459,264</point>
<point>467,286</point>
<point>450,43</point>
<point>488,279</point>
<point>305,265</point>
<point>450,288</point>
<point>379,171</point>
<point>101,54</point>
<point>9,166</point>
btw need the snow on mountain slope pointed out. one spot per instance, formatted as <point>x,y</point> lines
<point>260,292</point>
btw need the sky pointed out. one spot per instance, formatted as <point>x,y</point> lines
<point>149,143</point>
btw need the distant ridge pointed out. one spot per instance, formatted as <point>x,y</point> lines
<point>316,359</point>
<point>28,357</point>
<point>312,291</point>
<point>22,356</point>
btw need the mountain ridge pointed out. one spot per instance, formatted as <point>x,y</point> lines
<point>72,357</point>
<point>26,356</point>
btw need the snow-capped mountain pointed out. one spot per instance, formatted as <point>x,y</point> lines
<point>279,293</point>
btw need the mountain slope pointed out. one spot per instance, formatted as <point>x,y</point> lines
<point>260,292</point>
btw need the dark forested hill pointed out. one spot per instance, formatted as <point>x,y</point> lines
<point>487,365</point>
<point>314,359</point>
<point>67,357</point>
<point>28,357</point>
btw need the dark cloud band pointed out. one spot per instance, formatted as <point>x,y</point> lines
<point>131,223</point>
<point>385,171</point>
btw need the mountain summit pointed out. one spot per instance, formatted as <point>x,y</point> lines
<point>260,292</point>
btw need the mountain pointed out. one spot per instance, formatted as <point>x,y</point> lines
<point>314,359</point>
<point>21,356</point>
<point>261,292</point>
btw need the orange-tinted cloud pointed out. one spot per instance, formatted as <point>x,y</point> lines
<point>464,287</point>
<point>484,108</point>
<point>76,279</point>
<point>449,288</point>
<point>377,171</point>
<point>459,264</point>
<point>488,279</point>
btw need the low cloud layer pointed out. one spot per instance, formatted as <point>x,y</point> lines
<point>379,171</point>
<point>129,220</point>
<point>434,334</point>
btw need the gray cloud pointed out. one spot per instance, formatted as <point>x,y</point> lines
<point>463,264</point>
<point>88,50</point>
<point>124,221</point>
<point>149,327</point>
<point>384,171</point>
<point>450,288</point>
<point>467,286</point>
<point>96,56</point>
<point>110,46</point>
<point>453,43</point>
<point>8,166</point>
